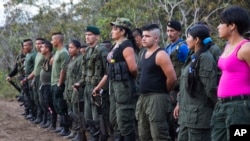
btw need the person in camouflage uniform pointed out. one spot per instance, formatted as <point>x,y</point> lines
<point>19,71</point>
<point>35,77</point>
<point>178,51</point>
<point>29,67</point>
<point>198,85</point>
<point>73,74</point>
<point>121,74</point>
<point>93,69</point>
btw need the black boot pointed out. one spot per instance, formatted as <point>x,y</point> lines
<point>44,120</point>
<point>77,137</point>
<point>39,115</point>
<point>130,137</point>
<point>118,137</point>
<point>65,124</point>
<point>48,122</point>
<point>94,134</point>
<point>52,126</point>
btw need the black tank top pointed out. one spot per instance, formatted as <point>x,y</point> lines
<point>152,77</point>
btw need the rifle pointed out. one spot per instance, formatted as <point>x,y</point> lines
<point>80,117</point>
<point>97,100</point>
<point>15,86</point>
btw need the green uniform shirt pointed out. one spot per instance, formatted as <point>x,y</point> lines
<point>94,65</point>
<point>29,62</point>
<point>38,63</point>
<point>73,74</point>
<point>60,61</point>
<point>196,111</point>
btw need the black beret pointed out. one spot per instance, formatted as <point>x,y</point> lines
<point>93,29</point>
<point>175,25</point>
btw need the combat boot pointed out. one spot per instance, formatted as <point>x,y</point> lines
<point>118,137</point>
<point>44,119</point>
<point>47,124</point>
<point>71,135</point>
<point>77,136</point>
<point>64,132</point>
<point>53,119</point>
<point>65,124</point>
<point>38,116</point>
<point>130,137</point>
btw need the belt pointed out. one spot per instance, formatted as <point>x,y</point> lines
<point>234,98</point>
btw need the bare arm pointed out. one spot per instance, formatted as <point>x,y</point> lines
<point>129,55</point>
<point>163,60</point>
<point>243,53</point>
<point>62,77</point>
<point>100,84</point>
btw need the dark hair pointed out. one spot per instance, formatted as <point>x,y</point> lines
<point>237,15</point>
<point>150,27</point>
<point>129,36</point>
<point>40,39</point>
<point>48,45</point>
<point>76,43</point>
<point>137,32</point>
<point>57,33</point>
<point>201,32</point>
<point>28,40</point>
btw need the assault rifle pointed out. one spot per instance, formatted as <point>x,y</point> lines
<point>15,86</point>
<point>79,118</point>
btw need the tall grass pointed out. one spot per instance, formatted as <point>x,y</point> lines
<point>6,90</point>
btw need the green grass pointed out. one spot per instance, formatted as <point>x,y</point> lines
<point>6,90</point>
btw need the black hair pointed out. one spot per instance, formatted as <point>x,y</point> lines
<point>237,15</point>
<point>150,27</point>
<point>202,32</point>
<point>129,36</point>
<point>48,45</point>
<point>137,32</point>
<point>22,44</point>
<point>84,45</point>
<point>40,39</point>
<point>57,33</point>
<point>76,43</point>
<point>29,41</point>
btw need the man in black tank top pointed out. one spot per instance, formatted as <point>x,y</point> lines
<point>157,80</point>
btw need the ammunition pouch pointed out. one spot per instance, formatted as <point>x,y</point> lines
<point>119,71</point>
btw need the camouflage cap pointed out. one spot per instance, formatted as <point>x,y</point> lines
<point>93,29</point>
<point>124,22</point>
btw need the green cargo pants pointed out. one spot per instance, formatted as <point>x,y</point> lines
<point>122,106</point>
<point>152,112</point>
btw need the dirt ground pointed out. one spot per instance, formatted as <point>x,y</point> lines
<point>13,126</point>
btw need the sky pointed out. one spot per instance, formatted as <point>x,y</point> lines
<point>33,10</point>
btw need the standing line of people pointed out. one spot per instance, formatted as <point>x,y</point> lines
<point>137,90</point>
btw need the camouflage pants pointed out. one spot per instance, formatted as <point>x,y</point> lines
<point>122,107</point>
<point>90,111</point>
<point>152,112</point>
<point>193,134</point>
<point>226,114</point>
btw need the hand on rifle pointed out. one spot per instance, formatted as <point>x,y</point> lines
<point>76,86</point>
<point>24,81</point>
<point>97,91</point>
<point>8,78</point>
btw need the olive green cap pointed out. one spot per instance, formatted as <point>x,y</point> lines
<point>93,29</point>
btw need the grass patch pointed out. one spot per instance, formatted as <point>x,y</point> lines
<point>6,90</point>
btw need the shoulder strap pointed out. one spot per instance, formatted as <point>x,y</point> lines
<point>240,44</point>
<point>178,45</point>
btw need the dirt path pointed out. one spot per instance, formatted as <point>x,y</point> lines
<point>13,126</point>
